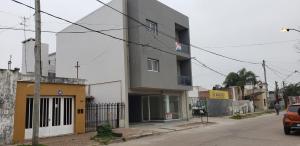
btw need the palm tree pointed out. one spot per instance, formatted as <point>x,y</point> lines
<point>241,78</point>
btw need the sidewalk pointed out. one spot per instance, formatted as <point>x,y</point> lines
<point>152,128</point>
<point>135,131</point>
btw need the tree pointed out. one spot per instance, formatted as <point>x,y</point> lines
<point>291,90</point>
<point>241,78</point>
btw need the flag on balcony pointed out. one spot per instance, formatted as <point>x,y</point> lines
<point>178,46</point>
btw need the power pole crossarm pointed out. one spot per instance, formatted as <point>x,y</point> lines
<point>37,73</point>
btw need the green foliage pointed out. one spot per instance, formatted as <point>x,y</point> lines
<point>31,145</point>
<point>292,90</point>
<point>236,116</point>
<point>104,131</point>
<point>241,78</point>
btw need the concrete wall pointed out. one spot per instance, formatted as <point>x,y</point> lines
<point>166,18</point>
<point>8,83</point>
<point>260,102</point>
<point>28,57</point>
<point>219,107</point>
<point>102,59</point>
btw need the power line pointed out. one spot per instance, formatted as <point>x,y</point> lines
<point>49,31</point>
<point>275,70</point>
<point>255,44</point>
<point>209,68</point>
<point>100,32</point>
<point>275,73</point>
<point>173,38</point>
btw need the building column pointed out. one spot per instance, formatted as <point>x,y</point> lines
<point>167,103</point>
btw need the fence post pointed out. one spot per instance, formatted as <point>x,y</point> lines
<point>107,112</point>
<point>96,108</point>
<point>118,115</point>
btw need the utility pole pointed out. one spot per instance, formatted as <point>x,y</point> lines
<point>265,77</point>
<point>284,95</point>
<point>77,68</point>
<point>37,74</point>
<point>9,62</point>
<point>276,91</point>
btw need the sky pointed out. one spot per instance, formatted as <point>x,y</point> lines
<point>246,30</point>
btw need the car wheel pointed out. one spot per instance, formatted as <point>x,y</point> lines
<point>287,130</point>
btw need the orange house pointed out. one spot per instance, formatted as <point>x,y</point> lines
<point>61,110</point>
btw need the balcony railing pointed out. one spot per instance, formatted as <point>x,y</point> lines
<point>184,80</point>
<point>183,48</point>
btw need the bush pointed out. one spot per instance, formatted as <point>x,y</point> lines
<point>104,131</point>
<point>237,116</point>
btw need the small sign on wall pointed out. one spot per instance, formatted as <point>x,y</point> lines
<point>60,92</point>
<point>169,116</point>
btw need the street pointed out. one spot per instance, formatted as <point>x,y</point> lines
<point>260,131</point>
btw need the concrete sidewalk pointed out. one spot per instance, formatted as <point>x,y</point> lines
<point>135,131</point>
<point>154,128</point>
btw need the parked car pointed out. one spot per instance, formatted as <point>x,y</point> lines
<point>291,120</point>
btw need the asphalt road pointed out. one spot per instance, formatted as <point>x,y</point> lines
<point>260,131</point>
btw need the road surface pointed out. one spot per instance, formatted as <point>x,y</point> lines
<point>260,131</point>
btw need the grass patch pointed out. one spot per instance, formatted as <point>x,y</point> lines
<point>31,145</point>
<point>105,135</point>
<point>250,115</point>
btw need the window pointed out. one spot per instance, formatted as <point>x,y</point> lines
<point>151,26</point>
<point>153,65</point>
<point>294,108</point>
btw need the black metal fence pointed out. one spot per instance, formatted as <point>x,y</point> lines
<point>103,113</point>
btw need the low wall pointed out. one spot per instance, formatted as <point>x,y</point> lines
<point>8,85</point>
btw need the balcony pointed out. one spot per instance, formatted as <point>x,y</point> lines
<point>183,48</point>
<point>184,80</point>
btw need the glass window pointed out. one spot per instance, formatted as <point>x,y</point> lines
<point>151,26</point>
<point>294,108</point>
<point>174,106</point>
<point>152,65</point>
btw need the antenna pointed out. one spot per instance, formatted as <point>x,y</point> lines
<point>9,62</point>
<point>77,68</point>
<point>23,23</point>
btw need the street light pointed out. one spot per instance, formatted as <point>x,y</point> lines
<point>289,29</point>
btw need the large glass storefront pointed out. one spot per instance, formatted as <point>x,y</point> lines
<point>160,107</point>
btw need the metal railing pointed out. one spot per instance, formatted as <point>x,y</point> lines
<point>103,113</point>
<point>184,80</point>
<point>183,48</point>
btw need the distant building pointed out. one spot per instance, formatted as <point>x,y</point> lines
<point>258,94</point>
<point>196,92</point>
<point>28,59</point>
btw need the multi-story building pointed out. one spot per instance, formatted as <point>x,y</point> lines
<point>150,71</point>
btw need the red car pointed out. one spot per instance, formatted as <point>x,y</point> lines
<point>291,120</point>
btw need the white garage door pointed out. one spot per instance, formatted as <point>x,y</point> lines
<point>56,116</point>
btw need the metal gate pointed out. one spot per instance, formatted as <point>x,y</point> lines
<point>56,116</point>
<point>103,113</point>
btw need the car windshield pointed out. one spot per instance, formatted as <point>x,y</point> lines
<point>294,108</point>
